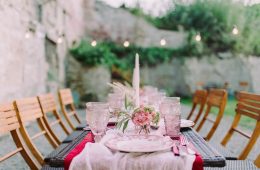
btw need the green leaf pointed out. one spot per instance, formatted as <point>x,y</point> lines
<point>125,102</point>
<point>125,125</point>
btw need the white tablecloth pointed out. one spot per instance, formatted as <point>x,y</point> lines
<point>96,156</point>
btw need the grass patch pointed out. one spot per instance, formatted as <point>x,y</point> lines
<point>245,122</point>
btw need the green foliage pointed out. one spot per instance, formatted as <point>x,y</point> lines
<point>112,54</point>
<point>214,20</point>
<point>92,56</point>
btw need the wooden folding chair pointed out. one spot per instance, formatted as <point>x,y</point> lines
<point>248,105</point>
<point>257,161</point>
<point>28,110</point>
<point>9,124</point>
<point>66,102</point>
<point>48,106</point>
<point>216,98</point>
<point>199,98</point>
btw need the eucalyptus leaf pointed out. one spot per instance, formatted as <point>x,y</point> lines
<point>125,125</point>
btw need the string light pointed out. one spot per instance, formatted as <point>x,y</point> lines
<point>93,43</point>
<point>126,44</point>
<point>27,34</point>
<point>60,40</point>
<point>198,37</point>
<point>235,30</point>
<point>163,42</point>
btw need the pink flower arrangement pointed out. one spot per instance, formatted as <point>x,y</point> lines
<point>143,117</point>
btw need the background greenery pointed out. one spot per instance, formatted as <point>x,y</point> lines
<point>214,20</point>
<point>113,54</point>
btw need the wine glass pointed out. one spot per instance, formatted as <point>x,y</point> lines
<point>97,116</point>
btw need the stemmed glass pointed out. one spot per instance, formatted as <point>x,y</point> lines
<point>97,116</point>
<point>116,102</point>
<point>171,108</point>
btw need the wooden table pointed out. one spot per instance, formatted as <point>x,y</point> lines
<point>210,157</point>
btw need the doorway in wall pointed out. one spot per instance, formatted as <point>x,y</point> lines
<point>53,65</point>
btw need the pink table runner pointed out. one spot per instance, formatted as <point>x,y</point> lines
<point>197,164</point>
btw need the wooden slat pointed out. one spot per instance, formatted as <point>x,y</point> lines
<point>8,121</point>
<point>7,114</point>
<point>10,154</point>
<point>257,161</point>
<point>249,96</point>
<point>246,113</point>
<point>66,96</point>
<point>29,118</point>
<point>242,132</point>
<point>4,107</point>
<point>54,122</point>
<point>250,102</point>
<point>71,113</point>
<point>210,120</point>
<point>8,128</point>
<point>254,110</point>
<point>38,135</point>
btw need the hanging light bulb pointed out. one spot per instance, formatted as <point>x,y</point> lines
<point>93,43</point>
<point>126,44</point>
<point>60,40</point>
<point>198,37</point>
<point>27,34</point>
<point>163,42</point>
<point>235,30</point>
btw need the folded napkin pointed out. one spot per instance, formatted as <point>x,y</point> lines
<point>96,156</point>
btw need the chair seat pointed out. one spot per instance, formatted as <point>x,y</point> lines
<point>223,151</point>
<point>55,152</point>
<point>236,165</point>
<point>72,136</point>
<point>47,167</point>
<point>81,126</point>
<point>56,157</point>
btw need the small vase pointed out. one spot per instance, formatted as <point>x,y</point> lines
<point>143,129</point>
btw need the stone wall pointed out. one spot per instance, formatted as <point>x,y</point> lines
<point>182,75</point>
<point>36,64</point>
<point>120,25</point>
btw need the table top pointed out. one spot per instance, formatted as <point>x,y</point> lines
<point>210,156</point>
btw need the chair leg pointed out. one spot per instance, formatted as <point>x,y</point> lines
<point>191,112</point>
<point>203,119</point>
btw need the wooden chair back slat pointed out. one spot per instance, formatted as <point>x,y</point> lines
<point>199,98</point>
<point>8,119</point>
<point>66,100</point>
<point>248,105</point>
<point>66,96</point>
<point>47,102</point>
<point>257,161</point>
<point>9,123</point>
<point>29,110</point>
<point>216,98</point>
<point>48,105</point>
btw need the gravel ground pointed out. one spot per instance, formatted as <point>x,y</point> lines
<point>17,162</point>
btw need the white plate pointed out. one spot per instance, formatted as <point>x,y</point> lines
<point>186,123</point>
<point>140,143</point>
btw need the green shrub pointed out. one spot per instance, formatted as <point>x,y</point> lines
<point>214,20</point>
<point>112,54</point>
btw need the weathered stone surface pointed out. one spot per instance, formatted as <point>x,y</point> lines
<point>24,66</point>
<point>89,83</point>
<point>121,25</point>
<point>182,74</point>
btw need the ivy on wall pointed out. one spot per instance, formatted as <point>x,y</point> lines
<point>112,54</point>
